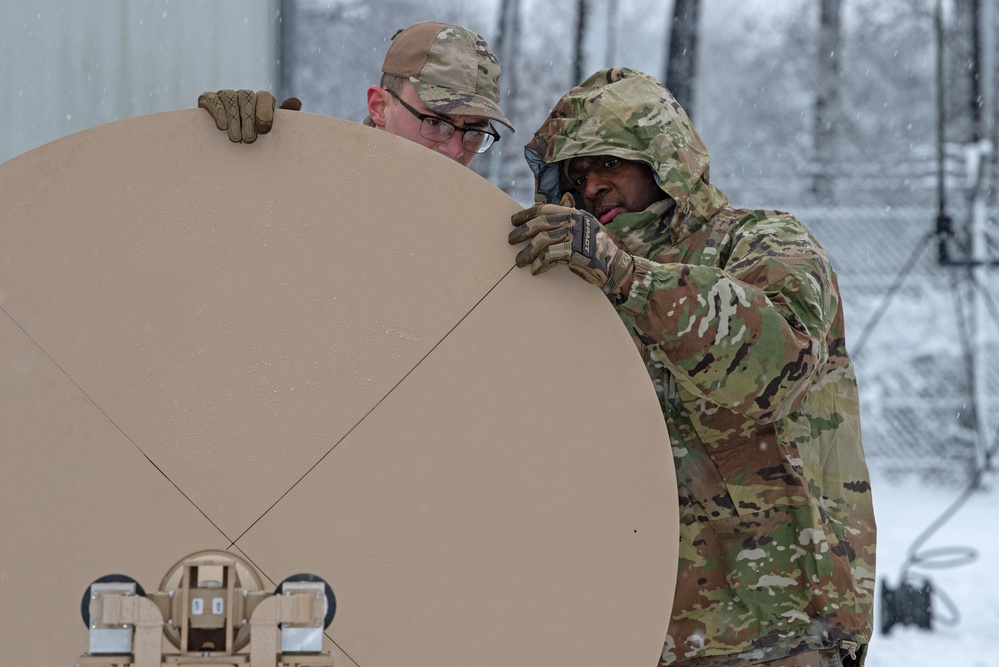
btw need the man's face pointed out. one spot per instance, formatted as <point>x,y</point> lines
<point>611,185</point>
<point>387,113</point>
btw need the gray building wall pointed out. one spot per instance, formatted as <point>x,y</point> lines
<point>66,65</point>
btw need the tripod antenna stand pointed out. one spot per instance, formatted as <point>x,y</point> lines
<point>910,603</point>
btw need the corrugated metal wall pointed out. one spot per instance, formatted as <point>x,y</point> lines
<point>66,65</point>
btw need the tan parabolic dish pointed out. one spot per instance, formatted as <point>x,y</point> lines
<point>314,351</point>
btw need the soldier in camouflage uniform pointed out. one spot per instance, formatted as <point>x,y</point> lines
<point>737,315</point>
<point>439,88</point>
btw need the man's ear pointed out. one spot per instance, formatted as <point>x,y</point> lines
<point>377,103</point>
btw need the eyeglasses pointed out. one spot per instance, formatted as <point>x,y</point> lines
<point>436,128</point>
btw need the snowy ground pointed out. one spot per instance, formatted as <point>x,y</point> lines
<point>904,510</point>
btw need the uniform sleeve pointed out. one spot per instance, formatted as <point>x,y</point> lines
<point>747,333</point>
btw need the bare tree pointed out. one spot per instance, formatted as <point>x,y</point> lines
<point>286,49</point>
<point>681,59</point>
<point>594,43</point>
<point>963,45</point>
<point>827,99</point>
<point>578,54</point>
<point>497,164</point>
<point>990,81</point>
<point>611,55</point>
<point>963,120</point>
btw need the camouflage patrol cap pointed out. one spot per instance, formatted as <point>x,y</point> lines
<point>453,69</point>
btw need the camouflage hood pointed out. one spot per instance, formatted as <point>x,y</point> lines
<point>630,115</point>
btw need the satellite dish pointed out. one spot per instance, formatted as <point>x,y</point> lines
<point>314,352</point>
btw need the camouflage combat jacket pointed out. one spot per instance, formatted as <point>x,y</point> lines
<point>737,315</point>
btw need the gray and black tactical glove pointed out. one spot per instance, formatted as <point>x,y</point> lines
<point>562,233</point>
<point>243,113</point>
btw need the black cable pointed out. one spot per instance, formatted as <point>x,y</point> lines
<point>942,557</point>
<point>890,294</point>
<point>910,602</point>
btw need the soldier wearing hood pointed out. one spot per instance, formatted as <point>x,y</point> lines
<point>737,315</point>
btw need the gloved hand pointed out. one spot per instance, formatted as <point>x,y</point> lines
<point>243,113</point>
<point>561,233</point>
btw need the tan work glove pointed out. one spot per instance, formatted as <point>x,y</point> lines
<point>243,113</point>
<point>561,233</point>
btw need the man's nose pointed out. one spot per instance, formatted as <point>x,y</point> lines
<point>595,185</point>
<point>452,146</point>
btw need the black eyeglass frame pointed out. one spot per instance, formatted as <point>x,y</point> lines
<point>423,117</point>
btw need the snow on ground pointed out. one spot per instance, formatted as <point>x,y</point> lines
<point>904,509</point>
